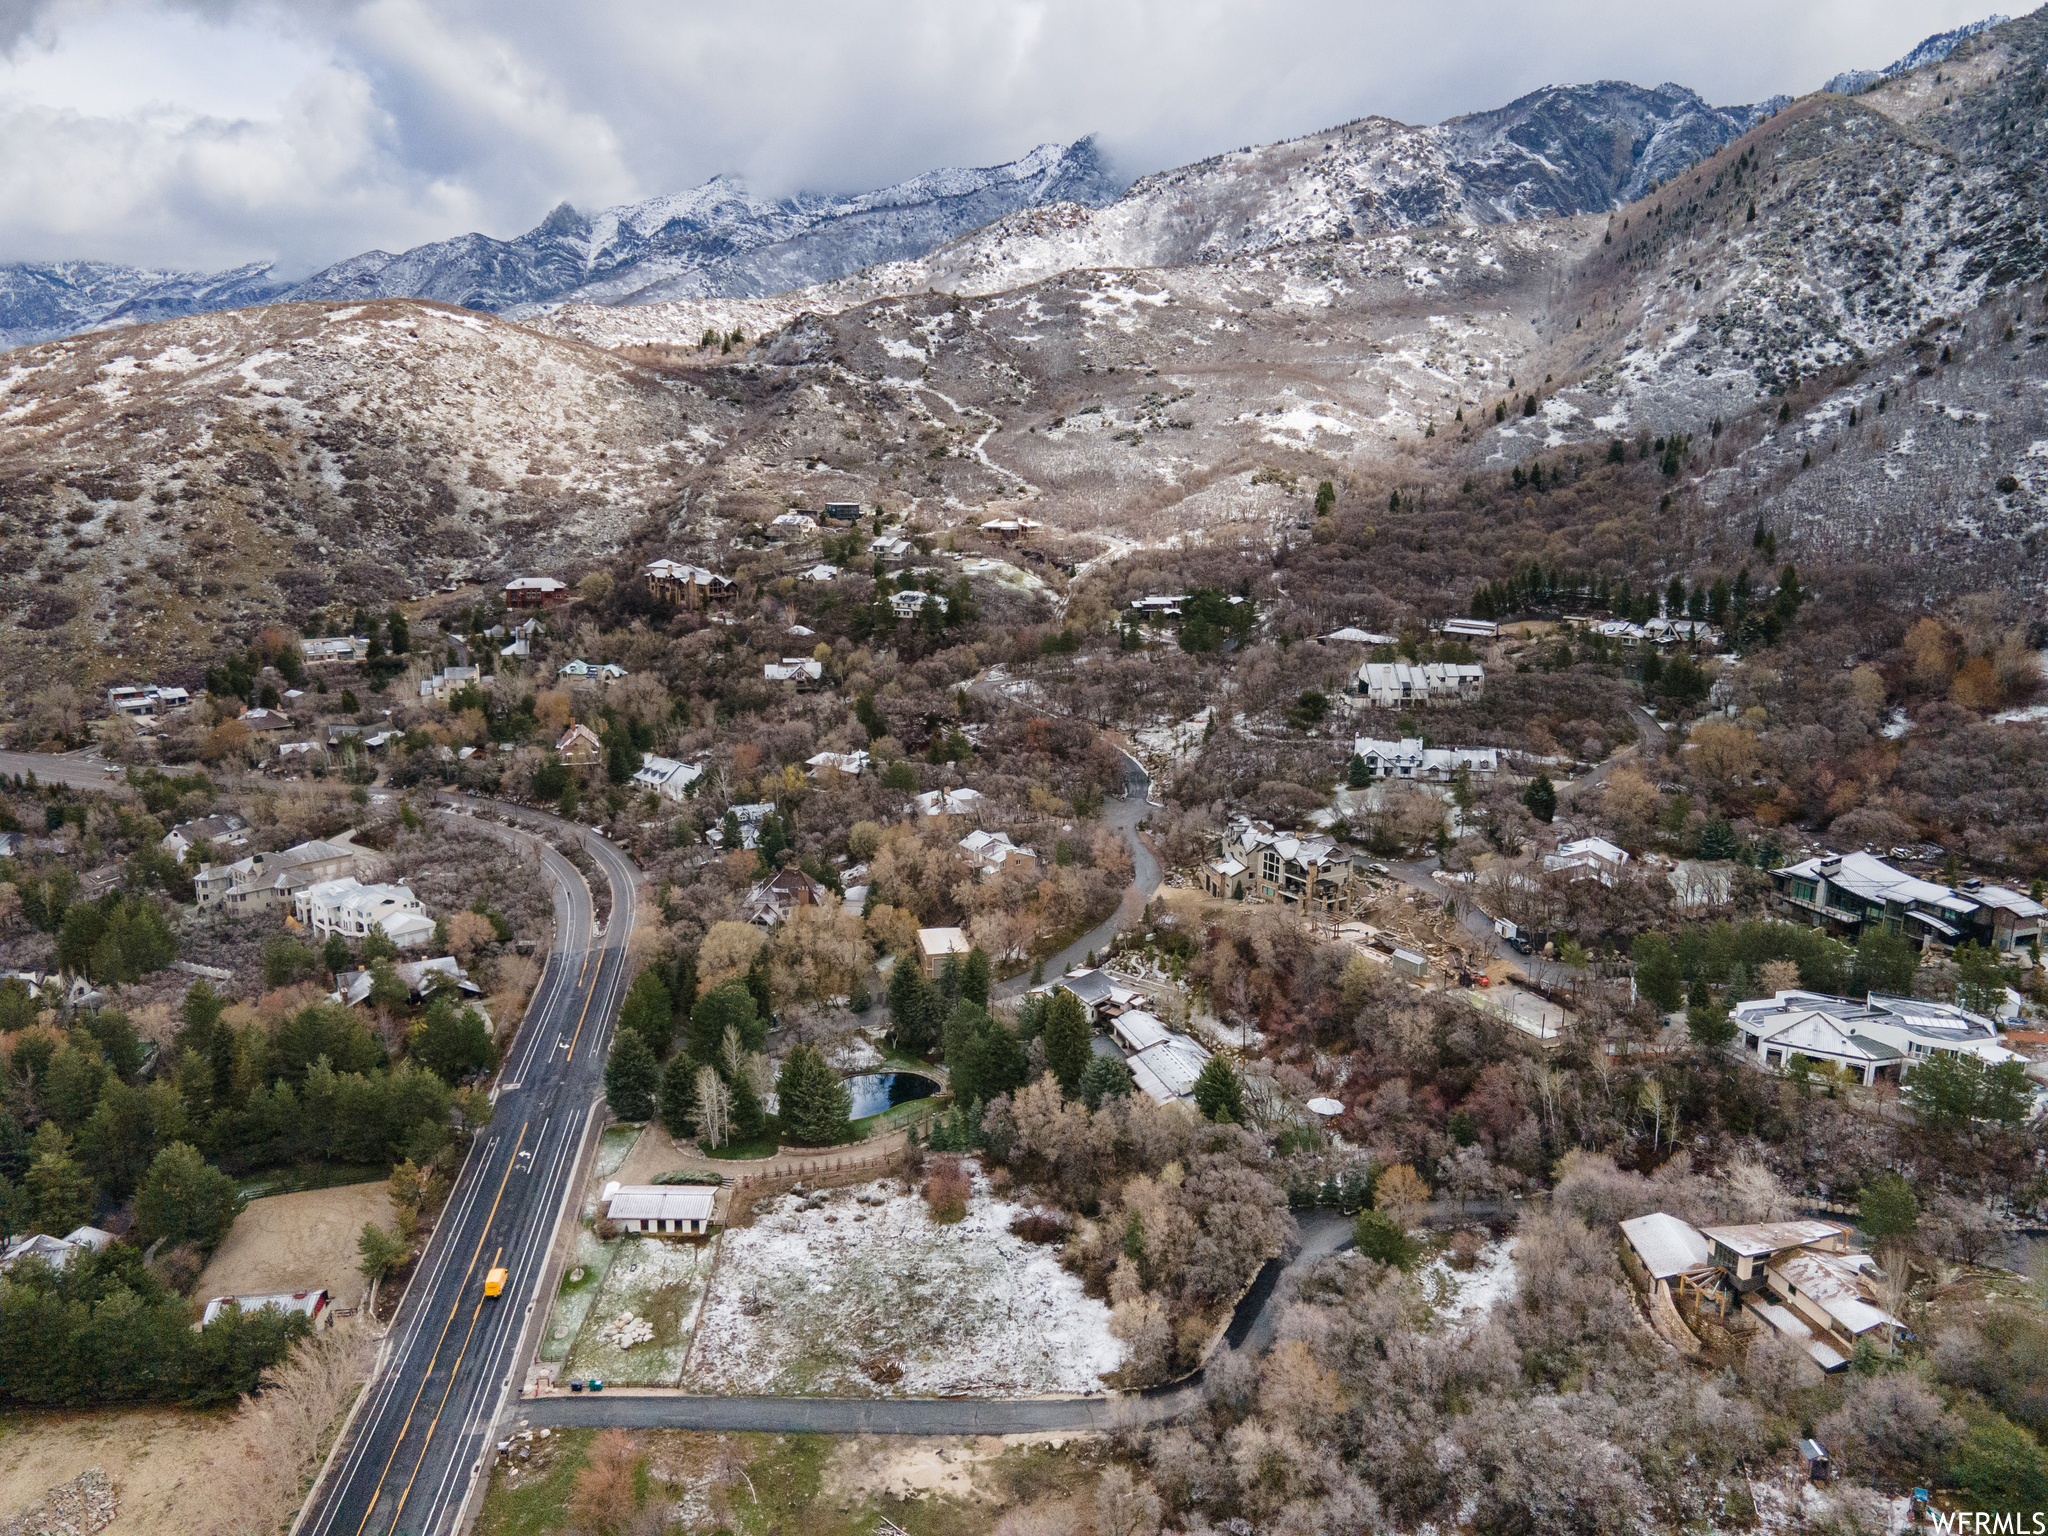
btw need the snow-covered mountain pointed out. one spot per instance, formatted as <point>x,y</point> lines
<point>39,300</point>
<point>715,239</point>
<point>1930,50</point>
<point>1554,153</point>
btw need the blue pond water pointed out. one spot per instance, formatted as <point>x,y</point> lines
<point>874,1092</point>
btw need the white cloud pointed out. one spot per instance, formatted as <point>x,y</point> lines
<point>206,132</point>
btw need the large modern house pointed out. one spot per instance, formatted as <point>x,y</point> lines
<point>1879,1039</point>
<point>1843,891</point>
<point>1402,684</point>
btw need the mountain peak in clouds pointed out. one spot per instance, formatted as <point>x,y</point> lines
<point>716,239</point>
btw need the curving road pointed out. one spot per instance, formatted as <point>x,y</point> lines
<point>1124,815</point>
<point>1251,1329</point>
<point>419,1435</point>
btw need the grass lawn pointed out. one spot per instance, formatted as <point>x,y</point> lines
<point>537,1502</point>
<point>900,1115</point>
<point>764,1145</point>
<point>662,1285</point>
<point>808,1485</point>
<point>581,1281</point>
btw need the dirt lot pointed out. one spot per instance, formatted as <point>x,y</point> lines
<point>296,1243</point>
<point>155,1456</point>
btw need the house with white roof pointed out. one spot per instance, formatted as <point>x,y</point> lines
<point>1351,634</point>
<point>1879,1038</point>
<point>1796,1278</point>
<point>792,525</point>
<point>667,777</point>
<point>799,671</point>
<point>1101,997</point>
<point>1666,1248</point>
<point>948,802</point>
<point>1587,858</point>
<point>936,945</point>
<point>1164,1062</point>
<point>321,650</point>
<point>1469,629</point>
<point>580,671</point>
<point>660,1210</point>
<point>580,744</point>
<point>837,765</point>
<point>311,1305</point>
<point>907,605</point>
<point>1405,684</point>
<point>57,1252</point>
<point>820,574</point>
<point>535,592</point>
<point>690,585</point>
<point>992,854</point>
<point>1408,758</point>
<point>265,882</point>
<point>223,829</point>
<point>354,910</point>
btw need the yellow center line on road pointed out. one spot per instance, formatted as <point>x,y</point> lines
<point>587,1001</point>
<point>426,1375</point>
<point>435,1422</point>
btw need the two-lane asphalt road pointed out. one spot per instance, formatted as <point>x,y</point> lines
<point>422,1432</point>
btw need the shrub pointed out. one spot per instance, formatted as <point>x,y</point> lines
<point>946,1188</point>
<point>1381,1238</point>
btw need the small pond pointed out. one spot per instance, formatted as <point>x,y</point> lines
<point>874,1092</point>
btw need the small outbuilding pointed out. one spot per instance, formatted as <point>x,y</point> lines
<point>660,1210</point>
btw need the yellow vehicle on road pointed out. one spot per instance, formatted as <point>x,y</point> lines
<point>494,1282</point>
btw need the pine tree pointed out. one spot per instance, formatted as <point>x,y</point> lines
<point>1067,1040</point>
<point>814,1103</point>
<point>913,1009</point>
<point>1218,1093</point>
<point>184,1199</point>
<point>1541,798</point>
<point>728,1005</point>
<point>749,1118</point>
<point>631,1077</point>
<point>679,1096</point>
<point>648,1012</point>
<point>974,977</point>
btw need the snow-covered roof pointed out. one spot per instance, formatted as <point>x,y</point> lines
<point>1666,1245</point>
<point>1139,1030</point>
<point>1864,875</point>
<point>659,1202</point>
<point>939,942</point>
<point>1831,1286</point>
<point>1763,1237</point>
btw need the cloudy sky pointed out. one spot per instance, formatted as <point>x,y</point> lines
<point>205,133</point>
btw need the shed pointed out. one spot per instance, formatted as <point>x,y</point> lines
<point>661,1209</point>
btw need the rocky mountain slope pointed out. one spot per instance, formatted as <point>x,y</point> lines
<point>163,485</point>
<point>1930,50</point>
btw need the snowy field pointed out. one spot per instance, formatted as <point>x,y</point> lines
<point>1463,1298</point>
<point>857,1292</point>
